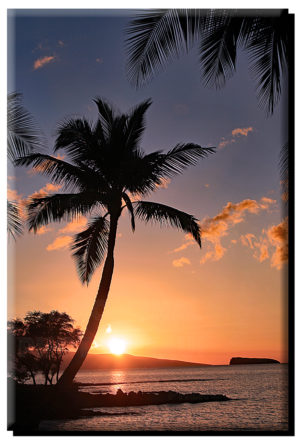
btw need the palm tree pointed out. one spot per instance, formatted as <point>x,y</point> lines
<point>107,169</point>
<point>155,36</point>
<point>22,137</point>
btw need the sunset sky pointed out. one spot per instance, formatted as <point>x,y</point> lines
<point>168,298</point>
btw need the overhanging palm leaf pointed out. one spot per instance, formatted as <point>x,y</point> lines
<point>220,37</point>
<point>267,45</point>
<point>166,215</point>
<point>14,222</point>
<point>89,247</point>
<point>23,135</point>
<point>156,36</point>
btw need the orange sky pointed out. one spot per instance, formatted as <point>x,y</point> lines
<point>206,309</point>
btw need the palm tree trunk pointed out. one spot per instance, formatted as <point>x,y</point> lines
<point>69,373</point>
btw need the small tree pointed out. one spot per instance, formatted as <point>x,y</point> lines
<point>39,344</point>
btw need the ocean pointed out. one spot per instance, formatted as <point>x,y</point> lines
<point>259,400</point>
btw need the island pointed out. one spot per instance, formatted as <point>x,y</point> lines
<point>244,361</point>
<point>125,361</point>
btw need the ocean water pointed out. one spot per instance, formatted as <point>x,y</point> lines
<point>259,400</point>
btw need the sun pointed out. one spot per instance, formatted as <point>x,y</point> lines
<point>117,346</point>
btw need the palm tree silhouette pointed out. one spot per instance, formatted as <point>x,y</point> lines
<point>106,171</point>
<point>156,36</point>
<point>23,137</point>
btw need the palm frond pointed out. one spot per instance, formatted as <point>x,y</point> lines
<point>146,172</point>
<point>14,221</point>
<point>23,136</point>
<point>106,116</point>
<point>135,124</point>
<point>155,37</point>
<point>76,137</point>
<point>267,48</point>
<point>58,207</point>
<point>166,215</point>
<point>61,171</point>
<point>89,247</point>
<point>220,37</point>
<point>130,209</point>
<point>182,156</point>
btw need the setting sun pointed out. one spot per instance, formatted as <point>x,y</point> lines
<point>117,346</point>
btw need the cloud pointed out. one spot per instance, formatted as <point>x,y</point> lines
<point>244,131</point>
<point>273,239</point>
<point>247,240</point>
<point>224,142</point>
<point>190,241</point>
<point>266,202</point>
<point>13,195</point>
<point>42,61</point>
<point>76,225</point>
<point>59,243</point>
<point>48,189</point>
<point>278,238</point>
<point>215,228</point>
<point>43,230</point>
<point>235,132</point>
<point>178,263</point>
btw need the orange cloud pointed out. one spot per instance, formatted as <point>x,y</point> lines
<point>278,237</point>
<point>235,132</point>
<point>49,188</point>
<point>247,240</point>
<point>178,263</point>
<point>244,131</point>
<point>225,143</point>
<point>12,195</point>
<point>43,230</point>
<point>74,226</point>
<point>59,243</point>
<point>42,61</point>
<point>217,227</point>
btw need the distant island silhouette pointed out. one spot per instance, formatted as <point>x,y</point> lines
<point>239,361</point>
<point>96,361</point>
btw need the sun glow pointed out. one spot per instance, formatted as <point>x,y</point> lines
<point>117,346</point>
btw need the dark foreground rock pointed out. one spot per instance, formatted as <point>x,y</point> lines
<point>239,361</point>
<point>28,404</point>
